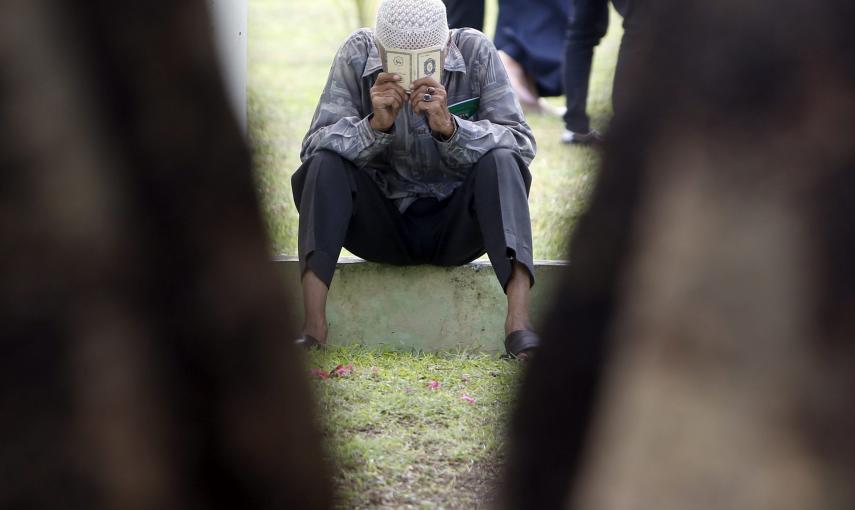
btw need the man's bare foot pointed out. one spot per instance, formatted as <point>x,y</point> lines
<point>521,83</point>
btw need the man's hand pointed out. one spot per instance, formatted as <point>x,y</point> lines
<point>387,98</point>
<point>429,98</point>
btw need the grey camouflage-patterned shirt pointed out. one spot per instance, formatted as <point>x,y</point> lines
<point>410,162</point>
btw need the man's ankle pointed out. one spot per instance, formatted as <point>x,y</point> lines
<point>318,330</point>
<point>517,323</point>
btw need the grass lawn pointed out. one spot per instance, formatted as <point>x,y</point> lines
<point>291,46</point>
<point>414,430</point>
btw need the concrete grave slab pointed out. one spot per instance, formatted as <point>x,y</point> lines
<point>420,307</point>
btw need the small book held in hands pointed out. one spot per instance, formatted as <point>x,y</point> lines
<point>413,65</point>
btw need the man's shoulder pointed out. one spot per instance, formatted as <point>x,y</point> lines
<point>358,43</point>
<point>363,36</point>
<point>471,42</point>
<point>471,35</point>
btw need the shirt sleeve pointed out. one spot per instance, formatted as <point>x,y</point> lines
<point>501,124</point>
<point>339,124</point>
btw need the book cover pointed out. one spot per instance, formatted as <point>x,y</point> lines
<point>414,65</point>
<point>465,109</point>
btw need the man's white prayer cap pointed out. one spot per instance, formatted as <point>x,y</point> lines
<point>411,24</point>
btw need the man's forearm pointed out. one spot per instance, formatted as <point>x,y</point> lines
<point>473,139</point>
<point>351,137</point>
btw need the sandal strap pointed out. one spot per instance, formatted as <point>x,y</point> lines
<point>307,342</point>
<point>520,341</point>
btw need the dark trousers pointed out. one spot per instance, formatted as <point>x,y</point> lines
<point>586,26</point>
<point>340,206</point>
<point>465,13</point>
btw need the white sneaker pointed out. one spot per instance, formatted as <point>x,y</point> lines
<point>591,137</point>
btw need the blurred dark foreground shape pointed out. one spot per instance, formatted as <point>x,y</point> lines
<point>701,353</point>
<point>144,359</point>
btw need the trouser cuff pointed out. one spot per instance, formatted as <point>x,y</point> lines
<point>504,268</point>
<point>321,264</point>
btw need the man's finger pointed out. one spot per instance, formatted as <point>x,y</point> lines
<point>417,94</point>
<point>414,100</point>
<point>401,93</point>
<point>423,95</point>
<point>387,78</point>
<point>386,97</point>
<point>390,93</point>
<point>427,81</point>
<point>427,88</point>
<point>389,86</point>
<point>398,99</point>
<point>428,108</point>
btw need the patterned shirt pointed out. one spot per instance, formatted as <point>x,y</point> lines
<point>410,162</point>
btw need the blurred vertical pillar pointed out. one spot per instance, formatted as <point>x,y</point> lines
<point>145,353</point>
<point>229,19</point>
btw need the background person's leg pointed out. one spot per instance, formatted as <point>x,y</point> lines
<point>628,55</point>
<point>587,24</point>
<point>529,37</point>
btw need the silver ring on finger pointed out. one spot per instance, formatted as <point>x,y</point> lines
<point>427,98</point>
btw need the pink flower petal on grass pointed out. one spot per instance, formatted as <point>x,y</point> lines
<point>434,385</point>
<point>342,370</point>
<point>317,372</point>
<point>467,399</point>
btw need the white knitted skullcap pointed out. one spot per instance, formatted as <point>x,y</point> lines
<point>411,24</point>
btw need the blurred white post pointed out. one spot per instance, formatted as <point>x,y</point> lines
<point>229,18</point>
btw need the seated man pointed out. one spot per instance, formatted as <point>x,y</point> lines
<point>396,178</point>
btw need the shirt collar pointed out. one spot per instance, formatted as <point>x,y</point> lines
<point>453,59</point>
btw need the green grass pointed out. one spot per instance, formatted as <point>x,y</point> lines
<point>397,443</point>
<point>291,46</point>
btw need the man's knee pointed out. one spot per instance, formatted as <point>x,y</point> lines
<point>506,165</point>
<point>497,156</point>
<point>323,170</point>
<point>324,163</point>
